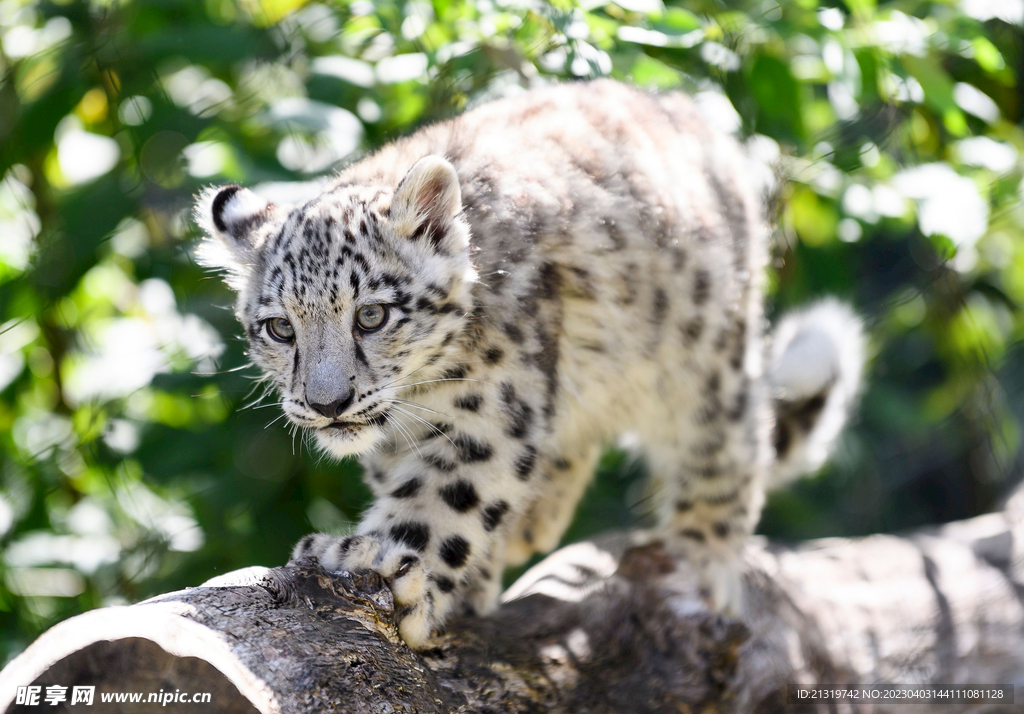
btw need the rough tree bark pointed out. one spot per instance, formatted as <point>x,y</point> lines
<point>606,626</point>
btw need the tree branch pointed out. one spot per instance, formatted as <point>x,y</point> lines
<point>612,625</point>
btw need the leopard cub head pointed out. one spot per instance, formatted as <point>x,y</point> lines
<point>348,298</point>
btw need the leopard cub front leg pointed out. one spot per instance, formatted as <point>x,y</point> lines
<point>438,527</point>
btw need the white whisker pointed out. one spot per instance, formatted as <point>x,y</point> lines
<point>268,389</point>
<point>264,406</point>
<point>416,406</point>
<point>276,419</point>
<point>404,431</point>
<point>427,423</point>
<point>447,379</point>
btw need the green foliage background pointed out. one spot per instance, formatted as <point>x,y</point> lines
<point>126,465</point>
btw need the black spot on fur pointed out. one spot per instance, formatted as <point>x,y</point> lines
<point>710,446</point>
<point>548,282</point>
<point>305,544</point>
<point>519,413</point>
<point>678,259</point>
<point>701,287</point>
<point>721,529</point>
<point>493,515</point>
<point>722,499</point>
<point>693,534</point>
<point>660,307</point>
<point>581,284</point>
<point>469,402</point>
<point>401,298</point>
<point>630,278</point>
<point>493,355</point>
<point>714,383</point>
<point>513,332</point>
<point>460,496</point>
<point>440,463</point>
<point>457,372</point>
<point>425,305</point>
<point>722,341</point>
<point>562,464</point>
<point>692,330</point>
<point>706,471</point>
<point>471,450</point>
<point>437,429</point>
<point>415,535</point>
<point>546,360</point>
<point>344,545</point>
<point>732,208</point>
<point>444,584</point>
<point>525,463</point>
<point>736,359</point>
<point>710,410</point>
<point>454,551</point>
<point>739,407</point>
<point>408,489</point>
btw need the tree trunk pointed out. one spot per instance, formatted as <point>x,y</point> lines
<point>605,626</point>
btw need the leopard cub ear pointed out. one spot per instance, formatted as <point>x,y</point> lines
<point>230,215</point>
<point>427,203</point>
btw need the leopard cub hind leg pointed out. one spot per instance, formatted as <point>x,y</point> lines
<point>714,458</point>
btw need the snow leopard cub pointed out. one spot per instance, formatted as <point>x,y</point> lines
<point>477,309</point>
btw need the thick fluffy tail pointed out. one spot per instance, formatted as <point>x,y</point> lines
<point>814,369</point>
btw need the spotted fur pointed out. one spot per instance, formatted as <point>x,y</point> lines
<point>558,268</point>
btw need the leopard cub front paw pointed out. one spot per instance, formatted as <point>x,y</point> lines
<point>418,611</point>
<point>338,552</point>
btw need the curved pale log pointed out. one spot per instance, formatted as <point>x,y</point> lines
<point>608,626</point>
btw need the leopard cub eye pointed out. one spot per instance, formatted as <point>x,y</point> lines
<point>371,317</point>
<point>280,329</point>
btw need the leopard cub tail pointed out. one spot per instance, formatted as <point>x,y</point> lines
<point>814,371</point>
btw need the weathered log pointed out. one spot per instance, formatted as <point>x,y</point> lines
<point>607,626</point>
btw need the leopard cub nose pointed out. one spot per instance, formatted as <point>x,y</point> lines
<point>336,408</point>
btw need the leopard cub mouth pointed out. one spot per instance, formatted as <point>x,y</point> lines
<point>339,424</point>
<point>375,420</point>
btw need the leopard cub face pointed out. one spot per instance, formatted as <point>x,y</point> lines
<point>348,298</point>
